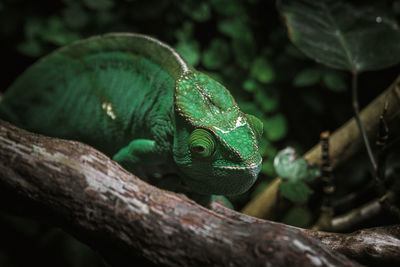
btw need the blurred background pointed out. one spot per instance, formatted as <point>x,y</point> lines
<point>242,44</point>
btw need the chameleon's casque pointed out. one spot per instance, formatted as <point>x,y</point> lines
<point>135,99</point>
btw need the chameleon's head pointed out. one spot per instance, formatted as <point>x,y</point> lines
<point>215,145</point>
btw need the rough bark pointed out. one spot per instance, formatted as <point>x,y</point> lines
<point>123,217</point>
<point>375,246</point>
<point>344,143</point>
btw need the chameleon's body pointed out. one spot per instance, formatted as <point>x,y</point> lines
<point>135,99</point>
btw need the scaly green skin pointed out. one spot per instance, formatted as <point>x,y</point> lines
<point>135,99</point>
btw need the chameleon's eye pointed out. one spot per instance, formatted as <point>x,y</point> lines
<point>201,143</point>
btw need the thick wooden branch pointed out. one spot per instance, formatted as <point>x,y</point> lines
<point>375,246</point>
<point>123,217</point>
<point>344,143</point>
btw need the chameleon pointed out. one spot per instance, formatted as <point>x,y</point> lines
<point>135,99</point>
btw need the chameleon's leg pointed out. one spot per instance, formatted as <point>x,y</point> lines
<point>224,200</point>
<point>138,152</point>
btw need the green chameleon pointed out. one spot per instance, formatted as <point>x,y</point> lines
<point>135,99</point>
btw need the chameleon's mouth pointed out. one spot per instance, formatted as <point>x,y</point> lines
<point>224,180</point>
<point>241,166</point>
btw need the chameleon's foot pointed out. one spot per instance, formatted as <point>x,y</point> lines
<point>223,200</point>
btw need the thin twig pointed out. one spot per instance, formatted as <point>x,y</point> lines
<point>359,124</point>
<point>349,220</point>
<point>383,131</point>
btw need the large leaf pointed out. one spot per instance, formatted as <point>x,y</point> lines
<point>307,77</point>
<point>342,35</point>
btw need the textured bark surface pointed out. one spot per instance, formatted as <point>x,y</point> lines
<point>375,246</point>
<point>123,217</point>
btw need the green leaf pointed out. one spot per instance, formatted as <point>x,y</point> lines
<point>33,27</point>
<point>30,48</point>
<point>216,55</point>
<point>250,85</point>
<point>307,77</point>
<point>268,168</point>
<point>275,127</point>
<point>199,11</point>
<point>262,70</point>
<point>244,51</point>
<point>298,216</point>
<point>185,33</point>
<point>190,51</point>
<point>227,7</point>
<point>289,166</point>
<point>295,191</point>
<point>235,28</point>
<point>56,33</point>
<point>99,4</point>
<point>334,82</point>
<point>267,99</point>
<point>343,35</point>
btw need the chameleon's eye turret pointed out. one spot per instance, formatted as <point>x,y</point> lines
<point>201,143</point>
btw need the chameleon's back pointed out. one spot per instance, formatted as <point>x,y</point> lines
<point>104,91</point>
<point>135,99</point>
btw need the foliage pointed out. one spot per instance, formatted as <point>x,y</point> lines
<point>289,166</point>
<point>298,216</point>
<point>342,35</point>
<point>295,172</point>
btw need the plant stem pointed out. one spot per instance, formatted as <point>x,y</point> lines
<point>359,123</point>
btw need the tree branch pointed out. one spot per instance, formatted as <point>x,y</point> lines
<point>379,245</point>
<point>123,217</point>
<point>344,143</point>
<point>373,246</point>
